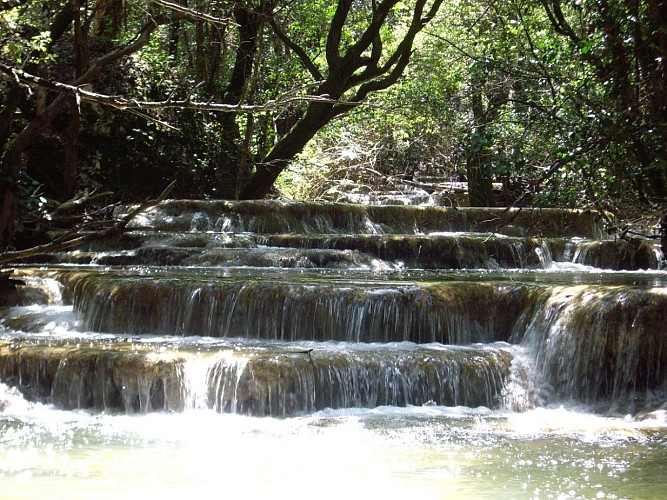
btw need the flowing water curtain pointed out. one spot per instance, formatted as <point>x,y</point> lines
<point>600,345</point>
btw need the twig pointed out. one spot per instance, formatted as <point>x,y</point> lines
<point>195,14</point>
<point>80,200</point>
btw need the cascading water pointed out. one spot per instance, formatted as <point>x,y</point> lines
<point>318,349</point>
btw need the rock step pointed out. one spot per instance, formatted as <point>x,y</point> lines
<point>266,379</point>
<point>276,217</point>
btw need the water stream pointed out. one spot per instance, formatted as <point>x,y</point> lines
<point>330,350</point>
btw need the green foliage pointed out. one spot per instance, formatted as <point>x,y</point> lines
<point>573,114</point>
<point>22,48</point>
<point>554,118</point>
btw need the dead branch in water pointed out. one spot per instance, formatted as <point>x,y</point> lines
<point>73,237</point>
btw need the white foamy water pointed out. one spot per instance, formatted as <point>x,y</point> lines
<point>385,452</point>
<point>532,447</point>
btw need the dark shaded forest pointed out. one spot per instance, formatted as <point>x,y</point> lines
<point>528,103</point>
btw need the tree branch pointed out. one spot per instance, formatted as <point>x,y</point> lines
<point>74,238</point>
<point>417,24</point>
<point>558,21</point>
<point>124,104</point>
<point>193,14</point>
<point>370,34</point>
<point>335,32</point>
<point>142,39</point>
<point>394,67</point>
<point>305,60</point>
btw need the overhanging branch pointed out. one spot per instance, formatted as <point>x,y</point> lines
<point>193,14</point>
<point>125,104</point>
<point>305,60</point>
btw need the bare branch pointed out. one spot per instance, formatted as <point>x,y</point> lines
<point>80,200</point>
<point>193,14</point>
<point>125,104</point>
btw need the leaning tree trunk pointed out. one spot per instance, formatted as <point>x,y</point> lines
<point>357,68</point>
<point>286,149</point>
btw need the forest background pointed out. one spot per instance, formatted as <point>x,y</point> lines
<point>531,102</point>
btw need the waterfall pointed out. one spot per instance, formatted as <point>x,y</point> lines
<point>273,309</point>
<point>618,254</point>
<point>265,380</point>
<point>595,344</point>
<point>267,347</point>
<point>369,312</point>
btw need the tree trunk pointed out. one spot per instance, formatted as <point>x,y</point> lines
<point>478,168</point>
<point>10,198</point>
<point>70,136</point>
<point>10,104</point>
<point>231,171</point>
<point>286,149</point>
<point>480,185</point>
<point>227,175</point>
<point>663,236</point>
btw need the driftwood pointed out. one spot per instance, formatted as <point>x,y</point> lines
<point>73,237</point>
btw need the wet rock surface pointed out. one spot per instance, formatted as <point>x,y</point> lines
<point>270,308</point>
